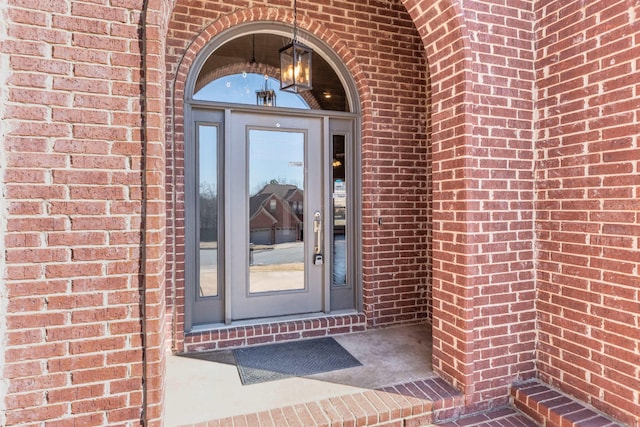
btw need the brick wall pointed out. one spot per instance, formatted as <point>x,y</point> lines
<point>392,81</point>
<point>481,63</point>
<point>588,201</point>
<point>4,75</point>
<point>73,196</point>
<point>73,126</point>
<point>155,19</point>
<point>501,195</point>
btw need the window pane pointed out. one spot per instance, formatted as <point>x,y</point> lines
<point>242,88</point>
<point>208,209</point>
<point>339,241</point>
<point>221,79</point>
<point>276,188</point>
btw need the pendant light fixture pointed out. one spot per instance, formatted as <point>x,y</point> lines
<point>265,97</point>
<point>295,62</point>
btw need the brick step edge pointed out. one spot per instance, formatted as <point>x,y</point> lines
<point>550,407</point>
<point>411,404</point>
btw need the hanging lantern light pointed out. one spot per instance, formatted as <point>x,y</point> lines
<point>295,62</point>
<point>266,97</point>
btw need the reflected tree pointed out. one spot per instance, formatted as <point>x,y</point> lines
<point>208,213</point>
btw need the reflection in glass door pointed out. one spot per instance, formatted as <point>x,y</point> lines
<point>339,213</point>
<point>343,181</point>
<point>275,186</point>
<point>276,214</point>
<point>208,210</point>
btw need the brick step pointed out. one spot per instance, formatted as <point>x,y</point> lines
<point>550,407</point>
<point>501,417</point>
<point>412,404</point>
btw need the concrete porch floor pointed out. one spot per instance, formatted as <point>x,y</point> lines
<point>198,391</point>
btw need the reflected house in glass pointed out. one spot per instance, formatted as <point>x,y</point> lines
<point>276,215</point>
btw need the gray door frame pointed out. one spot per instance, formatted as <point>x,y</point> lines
<point>224,110</point>
<point>199,311</point>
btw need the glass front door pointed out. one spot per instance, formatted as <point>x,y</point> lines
<point>275,216</point>
<point>270,216</point>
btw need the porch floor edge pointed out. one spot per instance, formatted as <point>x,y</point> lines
<point>411,404</point>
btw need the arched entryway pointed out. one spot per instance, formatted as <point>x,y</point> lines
<point>271,185</point>
<point>375,126</point>
<point>394,288</point>
<point>390,125</point>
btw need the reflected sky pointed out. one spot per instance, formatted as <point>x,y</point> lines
<point>275,155</point>
<point>241,89</point>
<point>208,147</point>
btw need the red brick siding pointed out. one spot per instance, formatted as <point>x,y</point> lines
<point>73,197</point>
<point>588,202</point>
<point>482,78</point>
<point>394,144</point>
<point>156,18</point>
<point>241,336</point>
<point>501,196</point>
<point>72,174</point>
<point>446,55</point>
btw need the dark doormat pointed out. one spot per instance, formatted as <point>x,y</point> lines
<point>292,359</point>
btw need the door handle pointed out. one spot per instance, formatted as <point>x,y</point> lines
<point>317,229</point>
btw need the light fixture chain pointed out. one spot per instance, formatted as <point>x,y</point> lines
<point>295,61</point>
<point>295,20</point>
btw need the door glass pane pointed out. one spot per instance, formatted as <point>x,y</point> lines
<point>339,241</point>
<point>208,210</point>
<point>276,199</point>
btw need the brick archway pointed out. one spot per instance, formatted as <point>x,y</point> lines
<point>267,14</point>
<point>259,15</point>
<point>155,18</point>
<point>448,50</point>
<point>445,36</point>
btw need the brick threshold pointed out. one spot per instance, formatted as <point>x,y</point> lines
<point>269,332</point>
<point>550,407</point>
<point>412,404</point>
